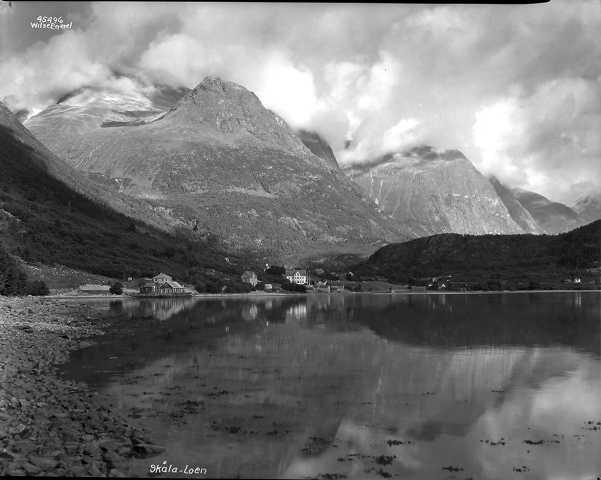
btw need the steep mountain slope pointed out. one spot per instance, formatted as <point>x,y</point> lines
<point>518,213</point>
<point>75,180</point>
<point>518,259</point>
<point>589,207</point>
<point>314,142</point>
<point>552,217</point>
<point>44,220</point>
<point>434,192</point>
<point>219,161</point>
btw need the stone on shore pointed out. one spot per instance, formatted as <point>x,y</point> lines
<point>50,426</point>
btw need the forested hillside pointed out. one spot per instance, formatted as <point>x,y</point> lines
<point>43,220</point>
<point>516,261</point>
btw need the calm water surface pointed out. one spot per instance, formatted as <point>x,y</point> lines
<point>361,386</point>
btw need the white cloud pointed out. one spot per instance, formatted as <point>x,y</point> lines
<point>399,135</point>
<point>287,89</point>
<point>516,87</point>
<point>547,141</point>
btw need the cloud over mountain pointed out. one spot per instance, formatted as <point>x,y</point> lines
<point>516,87</point>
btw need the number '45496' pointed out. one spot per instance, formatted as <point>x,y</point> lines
<point>50,19</point>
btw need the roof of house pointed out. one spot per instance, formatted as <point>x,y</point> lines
<point>89,286</point>
<point>292,271</point>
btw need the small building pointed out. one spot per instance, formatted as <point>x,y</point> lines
<point>297,275</point>
<point>250,277</point>
<point>170,288</point>
<point>147,287</point>
<point>91,289</point>
<point>162,285</point>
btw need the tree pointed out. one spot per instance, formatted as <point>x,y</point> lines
<point>116,288</point>
<point>13,280</point>
<point>37,288</point>
<point>293,287</point>
<point>276,270</point>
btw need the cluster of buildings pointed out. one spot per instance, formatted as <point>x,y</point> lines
<point>161,285</point>
<point>298,276</point>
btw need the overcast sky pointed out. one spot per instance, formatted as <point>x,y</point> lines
<point>517,88</point>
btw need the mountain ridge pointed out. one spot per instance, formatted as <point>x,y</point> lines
<point>552,217</point>
<point>433,191</point>
<point>520,215</point>
<point>588,207</point>
<point>219,162</point>
<point>44,221</point>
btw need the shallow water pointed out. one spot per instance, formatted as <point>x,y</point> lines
<point>361,386</point>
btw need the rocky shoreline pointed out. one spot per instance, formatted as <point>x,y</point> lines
<point>50,426</point>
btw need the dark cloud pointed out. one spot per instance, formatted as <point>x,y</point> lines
<point>516,87</point>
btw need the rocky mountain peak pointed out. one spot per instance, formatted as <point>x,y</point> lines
<point>427,152</point>
<point>223,162</point>
<point>217,84</point>
<point>589,207</point>
<point>233,113</point>
<point>434,191</point>
<point>213,90</point>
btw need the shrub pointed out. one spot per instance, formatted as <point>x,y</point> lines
<point>37,288</point>
<point>276,270</point>
<point>207,286</point>
<point>293,287</point>
<point>13,280</point>
<point>116,288</point>
<point>234,286</point>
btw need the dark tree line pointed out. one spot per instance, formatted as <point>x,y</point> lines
<point>13,280</point>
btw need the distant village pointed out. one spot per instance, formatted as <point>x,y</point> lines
<point>271,280</point>
<point>281,279</point>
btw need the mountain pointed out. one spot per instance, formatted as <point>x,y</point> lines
<point>513,260</point>
<point>218,161</point>
<point>588,207</point>
<point>428,192</point>
<point>44,220</point>
<point>314,142</point>
<point>74,179</point>
<point>552,217</point>
<point>518,213</point>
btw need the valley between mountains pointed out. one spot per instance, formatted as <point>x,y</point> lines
<point>207,182</point>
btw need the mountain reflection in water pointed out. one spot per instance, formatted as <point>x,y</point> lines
<point>415,386</point>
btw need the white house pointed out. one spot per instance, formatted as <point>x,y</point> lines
<point>297,275</point>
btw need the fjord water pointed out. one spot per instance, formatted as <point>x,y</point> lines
<point>490,386</point>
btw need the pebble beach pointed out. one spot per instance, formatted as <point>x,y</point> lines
<point>50,426</point>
